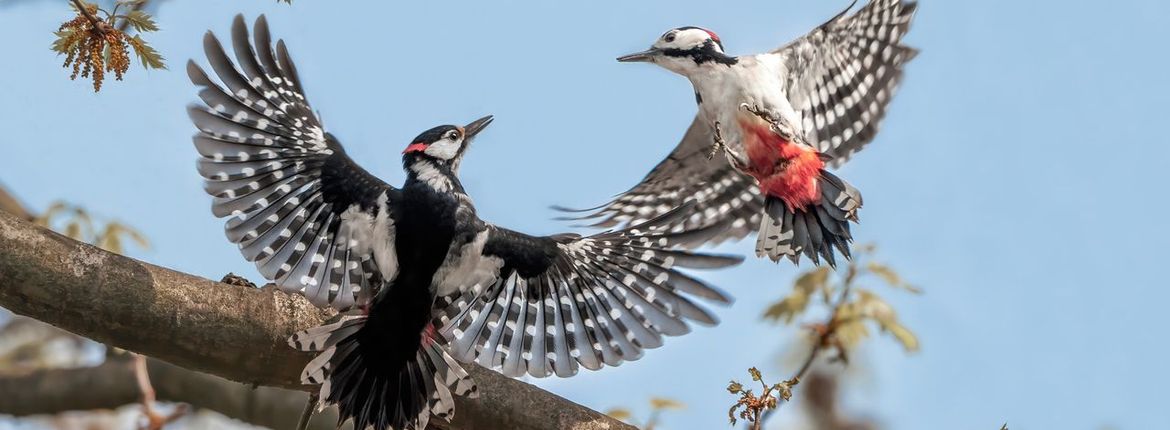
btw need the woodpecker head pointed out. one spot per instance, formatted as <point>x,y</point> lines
<point>444,144</point>
<point>684,50</point>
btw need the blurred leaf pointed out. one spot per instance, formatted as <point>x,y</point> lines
<point>49,213</point>
<point>72,230</point>
<point>787,309</point>
<point>812,280</point>
<point>110,238</point>
<point>137,237</point>
<point>906,337</point>
<point>806,285</point>
<point>141,21</point>
<point>851,332</point>
<point>109,242</point>
<point>76,223</point>
<point>870,306</point>
<point>621,414</point>
<point>891,277</point>
<point>666,404</point>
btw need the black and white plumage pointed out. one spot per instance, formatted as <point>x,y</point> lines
<point>422,282</point>
<point>829,89</point>
<point>724,198</point>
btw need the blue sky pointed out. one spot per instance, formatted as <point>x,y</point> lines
<point>1019,177</point>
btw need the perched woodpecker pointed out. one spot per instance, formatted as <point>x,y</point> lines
<point>421,281</point>
<point>780,118</point>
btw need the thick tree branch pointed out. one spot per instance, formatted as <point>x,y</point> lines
<point>112,384</point>
<point>234,332</point>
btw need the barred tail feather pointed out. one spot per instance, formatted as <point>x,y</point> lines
<point>374,393</point>
<point>814,230</point>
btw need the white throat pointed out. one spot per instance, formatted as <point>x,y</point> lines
<point>429,174</point>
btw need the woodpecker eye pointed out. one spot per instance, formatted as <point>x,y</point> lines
<point>669,38</point>
<point>452,135</point>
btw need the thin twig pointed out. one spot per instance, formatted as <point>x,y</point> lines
<point>154,420</point>
<point>98,25</point>
<point>308,412</point>
<point>824,335</point>
<point>830,328</point>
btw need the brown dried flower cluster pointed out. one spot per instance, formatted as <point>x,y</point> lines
<point>92,51</point>
<point>94,46</point>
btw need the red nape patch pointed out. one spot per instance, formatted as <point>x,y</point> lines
<point>415,147</point>
<point>713,35</point>
<point>786,170</point>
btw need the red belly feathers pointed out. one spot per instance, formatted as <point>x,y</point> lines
<point>785,170</point>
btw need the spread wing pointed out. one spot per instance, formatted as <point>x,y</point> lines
<point>725,199</point>
<point>551,304</point>
<point>843,74</point>
<point>311,219</point>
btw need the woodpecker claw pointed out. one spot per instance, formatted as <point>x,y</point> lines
<point>237,280</point>
<point>779,127</point>
<point>719,143</point>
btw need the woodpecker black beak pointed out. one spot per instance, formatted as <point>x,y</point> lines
<point>472,129</point>
<point>640,57</point>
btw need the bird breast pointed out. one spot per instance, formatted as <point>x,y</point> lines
<point>754,83</point>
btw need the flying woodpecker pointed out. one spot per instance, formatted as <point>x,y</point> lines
<point>421,281</point>
<point>780,118</point>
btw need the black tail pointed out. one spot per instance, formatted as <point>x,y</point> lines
<point>814,230</point>
<point>376,393</point>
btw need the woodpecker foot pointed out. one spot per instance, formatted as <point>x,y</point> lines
<point>757,111</point>
<point>234,279</point>
<point>719,143</point>
<point>779,127</point>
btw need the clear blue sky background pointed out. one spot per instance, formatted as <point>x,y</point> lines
<point>1020,178</point>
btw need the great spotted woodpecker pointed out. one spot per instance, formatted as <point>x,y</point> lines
<point>780,118</point>
<point>421,281</point>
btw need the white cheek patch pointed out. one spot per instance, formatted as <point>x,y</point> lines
<point>685,39</point>
<point>444,149</point>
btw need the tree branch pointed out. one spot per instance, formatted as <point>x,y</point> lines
<point>824,338</point>
<point>235,332</point>
<point>98,25</point>
<point>830,328</point>
<point>112,384</point>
